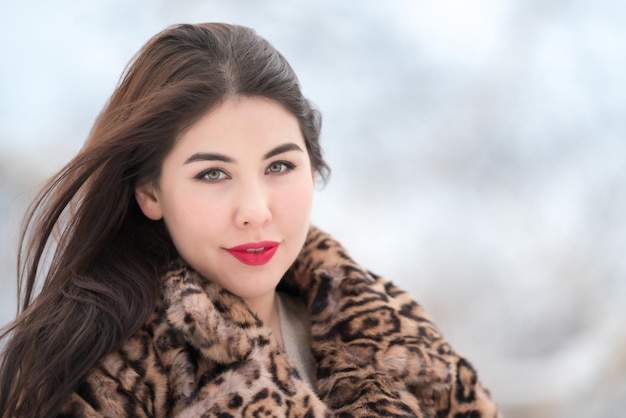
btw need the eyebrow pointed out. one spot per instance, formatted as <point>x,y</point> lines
<point>208,156</point>
<point>290,146</point>
<point>213,156</point>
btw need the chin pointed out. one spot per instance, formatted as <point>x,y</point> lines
<point>254,286</point>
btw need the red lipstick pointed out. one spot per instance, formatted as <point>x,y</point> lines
<point>254,253</point>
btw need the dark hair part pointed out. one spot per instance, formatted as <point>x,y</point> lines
<point>105,257</point>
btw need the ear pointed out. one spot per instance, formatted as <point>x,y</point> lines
<point>148,201</point>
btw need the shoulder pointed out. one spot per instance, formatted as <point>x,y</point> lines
<point>365,329</point>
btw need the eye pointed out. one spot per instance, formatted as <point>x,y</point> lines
<point>279,167</point>
<point>212,175</point>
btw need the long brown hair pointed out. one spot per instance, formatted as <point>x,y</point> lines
<point>99,258</point>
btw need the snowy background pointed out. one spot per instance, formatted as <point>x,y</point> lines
<point>478,150</point>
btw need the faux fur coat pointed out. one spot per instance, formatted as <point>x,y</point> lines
<point>203,353</point>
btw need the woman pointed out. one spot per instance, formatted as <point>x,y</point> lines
<point>170,233</point>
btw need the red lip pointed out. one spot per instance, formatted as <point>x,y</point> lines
<point>254,253</point>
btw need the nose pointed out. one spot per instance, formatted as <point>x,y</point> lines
<point>253,209</point>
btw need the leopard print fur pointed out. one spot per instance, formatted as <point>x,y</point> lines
<point>203,353</point>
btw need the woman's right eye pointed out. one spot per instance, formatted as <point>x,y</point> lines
<point>212,175</point>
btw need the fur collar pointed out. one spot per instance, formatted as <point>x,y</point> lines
<point>204,353</point>
<point>374,348</point>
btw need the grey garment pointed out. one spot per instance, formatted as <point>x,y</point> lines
<point>295,323</point>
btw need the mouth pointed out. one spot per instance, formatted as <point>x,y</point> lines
<point>254,253</point>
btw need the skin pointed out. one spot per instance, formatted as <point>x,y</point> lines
<point>241,174</point>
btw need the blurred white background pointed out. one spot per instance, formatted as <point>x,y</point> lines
<point>478,152</point>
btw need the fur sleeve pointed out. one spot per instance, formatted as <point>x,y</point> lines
<point>126,383</point>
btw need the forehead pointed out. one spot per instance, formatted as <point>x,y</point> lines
<point>243,122</point>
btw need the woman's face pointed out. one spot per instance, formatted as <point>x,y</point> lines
<point>235,193</point>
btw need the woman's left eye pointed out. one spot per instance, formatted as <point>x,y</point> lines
<point>279,167</point>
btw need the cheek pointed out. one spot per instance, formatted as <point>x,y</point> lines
<point>296,202</point>
<point>191,218</point>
